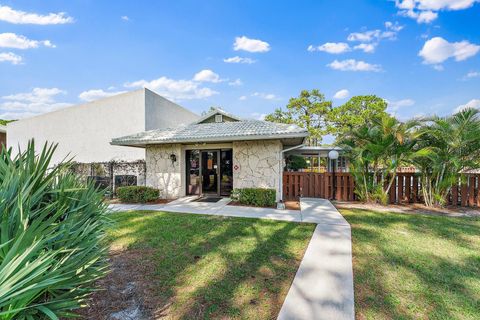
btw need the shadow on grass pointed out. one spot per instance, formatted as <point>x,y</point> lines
<point>216,267</point>
<point>411,267</point>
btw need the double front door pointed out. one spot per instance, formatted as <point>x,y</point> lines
<point>209,172</point>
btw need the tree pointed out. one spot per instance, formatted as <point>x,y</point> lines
<point>375,150</point>
<point>448,146</point>
<point>309,110</point>
<point>358,111</point>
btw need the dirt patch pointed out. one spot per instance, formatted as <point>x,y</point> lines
<point>128,291</point>
<point>415,208</point>
<point>292,205</point>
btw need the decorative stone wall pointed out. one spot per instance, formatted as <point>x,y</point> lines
<point>256,164</point>
<point>162,173</point>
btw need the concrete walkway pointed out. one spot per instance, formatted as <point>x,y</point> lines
<point>323,285</point>
<point>220,208</point>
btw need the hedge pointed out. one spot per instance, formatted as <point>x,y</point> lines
<point>259,197</point>
<point>137,194</point>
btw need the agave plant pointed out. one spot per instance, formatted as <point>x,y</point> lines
<point>52,230</point>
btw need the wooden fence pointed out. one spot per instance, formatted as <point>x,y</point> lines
<point>407,188</point>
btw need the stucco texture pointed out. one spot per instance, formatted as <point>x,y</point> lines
<point>164,174</point>
<point>256,164</point>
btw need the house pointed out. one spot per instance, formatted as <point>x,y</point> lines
<point>84,131</point>
<point>3,135</point>
<point>215,154</point>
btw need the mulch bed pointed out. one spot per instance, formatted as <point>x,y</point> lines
<point>290,205</point>
<point>158,201</point>
<point>238,204</point>
<point>413,208</point>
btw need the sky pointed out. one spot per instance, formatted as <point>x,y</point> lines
<point>248,57</point>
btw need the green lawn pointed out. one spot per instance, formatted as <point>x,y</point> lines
<point>208,267</point>
<point>415,267</point>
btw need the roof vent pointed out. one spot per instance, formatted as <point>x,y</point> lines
<point>218,118</point>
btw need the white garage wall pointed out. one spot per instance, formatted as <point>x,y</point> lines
<point>85,131</point>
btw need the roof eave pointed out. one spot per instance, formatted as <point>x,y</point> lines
<point>143,144</point>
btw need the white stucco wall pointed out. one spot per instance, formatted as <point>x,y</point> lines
<point>85,130</point>
<point>258,164</point>
<point>162,173</point>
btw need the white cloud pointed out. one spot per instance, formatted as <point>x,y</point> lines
<point>39,100</point>
<point>331,47</point>
<point>354,65</point>
<point>425,11</point>
<point>235,83</point>
<point>366,47</point>
<point>242,98</point>
<point>266,96</point>
<point>437,50</point>
<point>174,89</point>
<point>12,40</point>
<point>10,57</point>
<point>393,106</point>
<point>365,36</point>
<point>250,45</point>
<point>474,103</point>
<point>20,17</point>
<point>125,18</point>
<point>259,116</point>
<point>207,75</point>
<point>390,33</point>
<point>238,59</point>
<point>342,94</point>
<point>95,94</point>
<point>471,74</point>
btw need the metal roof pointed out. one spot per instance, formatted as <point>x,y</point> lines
<point>214,132</point>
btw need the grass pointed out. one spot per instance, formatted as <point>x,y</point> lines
<point>208,267</point>
<point>415,266</point>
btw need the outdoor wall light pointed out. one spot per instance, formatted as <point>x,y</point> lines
<point>173,158</point>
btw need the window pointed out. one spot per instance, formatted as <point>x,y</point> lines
<point>218,118</point>
<point>125,181</point>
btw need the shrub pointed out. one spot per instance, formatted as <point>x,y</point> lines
<point>259,197</point>
<point>137,194</point>
<point>52,245</point>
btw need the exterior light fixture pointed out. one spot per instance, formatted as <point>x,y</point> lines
<point>333,155</point>
<point>173,158</point>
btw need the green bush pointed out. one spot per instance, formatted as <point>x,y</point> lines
<point>137,194</point>
<point>52,237</point>
<point>259,197</point>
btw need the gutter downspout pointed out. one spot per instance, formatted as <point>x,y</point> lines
<point>280,180</point>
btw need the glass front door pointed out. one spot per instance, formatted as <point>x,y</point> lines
<point>210,172</point>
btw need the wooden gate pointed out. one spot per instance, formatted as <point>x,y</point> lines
<point>317,185</point>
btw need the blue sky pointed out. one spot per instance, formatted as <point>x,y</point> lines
<point>248,57</point>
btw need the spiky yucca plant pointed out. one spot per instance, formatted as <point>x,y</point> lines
<point>52,230</point>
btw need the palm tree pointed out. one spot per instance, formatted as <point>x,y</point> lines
<point>376,151</point>
<point>447,147</point>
